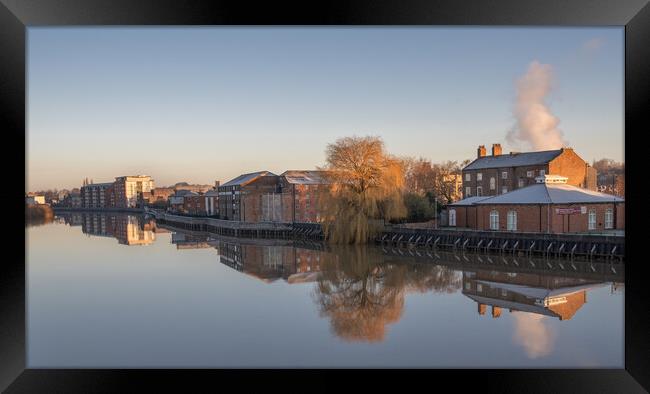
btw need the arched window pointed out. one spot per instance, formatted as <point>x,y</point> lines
<point>494,220</point>
<point>452,217</point>
<point>512,220</point>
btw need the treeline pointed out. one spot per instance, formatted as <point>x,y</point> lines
<point>370,187</point>
<point>429,187</point>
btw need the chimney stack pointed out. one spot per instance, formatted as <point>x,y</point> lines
<point>481,151</point>
<point>496,149</point>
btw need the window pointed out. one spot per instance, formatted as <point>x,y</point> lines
<point>512,220</point>
<point>494,220</point>
<point>452,217</point>
<point>529,174</point>
<point>609,218</point>
<point>479,176</point>
<point>504,175</point>
<point>479,190</point>
<point>504,190</point>
<point>468,192</point>
<point>592,219</point>
<point>521,182</point>
<point>479,287</point>
<point>468,286</point>
<point>468,177</point>
<point>542,172</point>
<point>492,183</point>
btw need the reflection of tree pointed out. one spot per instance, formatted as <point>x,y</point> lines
<point>361,293</point>
<point>436,278</point>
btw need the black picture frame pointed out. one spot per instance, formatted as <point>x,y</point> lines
<point>17,15</point>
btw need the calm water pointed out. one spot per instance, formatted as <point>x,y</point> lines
<point>118,291</point>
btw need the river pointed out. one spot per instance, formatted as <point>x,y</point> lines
<point>120,291</point>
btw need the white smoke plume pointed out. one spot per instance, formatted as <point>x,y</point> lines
<point>535,124</point>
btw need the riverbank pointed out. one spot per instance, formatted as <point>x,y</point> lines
<point>38,214</point>
<point>108,210</point>
<point>589,246</point>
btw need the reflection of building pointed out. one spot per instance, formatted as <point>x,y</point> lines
<point>128,229</point>
<point>129,232</point>
<point>187,241</point>
<point>534,293</point>
<point>97,224</point>
<point>268,263</point>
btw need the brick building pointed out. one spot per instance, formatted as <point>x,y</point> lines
<point>301,191</point>
<point>549,206</point>
<point>490,175</point>
<point>193,204</point>
<point>96,195</point>
<point>241,198</point>
<point>159,194</point>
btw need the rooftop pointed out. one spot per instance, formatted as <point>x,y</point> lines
<point>514,160</point>
<point>105,184</point>
<point>550,193</point>
<point>469,201</point>
<point>247,178</point>
<point>305,177</point>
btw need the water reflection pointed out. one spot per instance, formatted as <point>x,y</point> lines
<point>127,229</point>
<point>557,296</point>
<point>361,290</point>
<point>532,299</point>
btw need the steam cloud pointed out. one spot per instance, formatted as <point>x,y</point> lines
<point>535,125</point>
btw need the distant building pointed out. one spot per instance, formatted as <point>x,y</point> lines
<point>176,202</point>
<point>612,183</point>
<point>96,195</point>
<point>193,188</point>
<point>549,206</point>
<point>212,201</point>
<point>241,198</point>
<point>33,200</point>
<point>193,204</point>
<point>159,194</point>
<point>502,173</point>
<point>127,189</point>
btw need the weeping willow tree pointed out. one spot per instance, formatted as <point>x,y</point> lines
<point>366,186</point>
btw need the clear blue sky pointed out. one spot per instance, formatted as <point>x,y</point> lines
<point>201,104</point>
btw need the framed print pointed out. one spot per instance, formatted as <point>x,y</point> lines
<point>215,191</point>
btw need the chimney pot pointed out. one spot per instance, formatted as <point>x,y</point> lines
<point>481,151</point>
<point>496,149</point>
